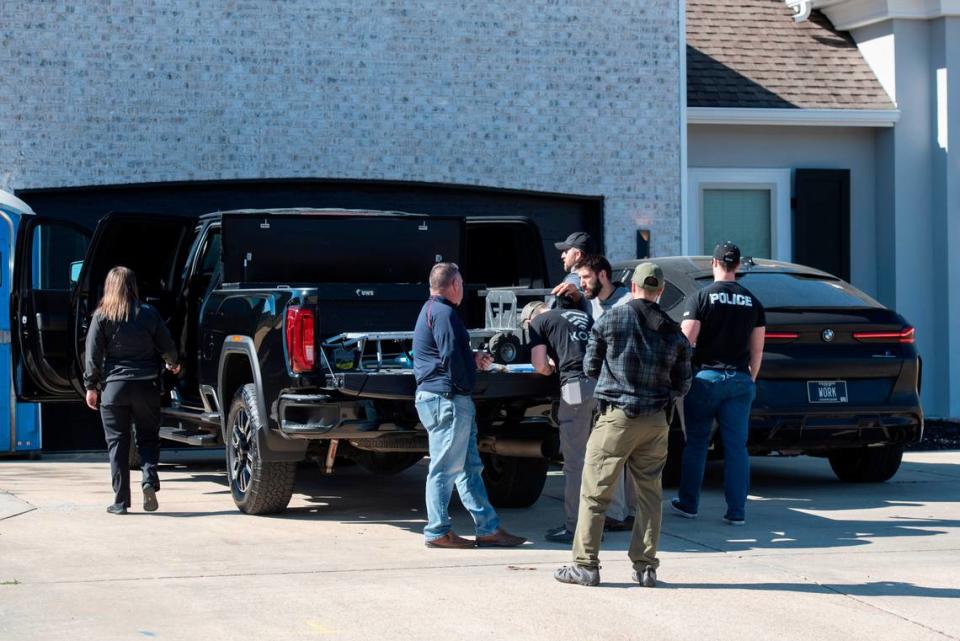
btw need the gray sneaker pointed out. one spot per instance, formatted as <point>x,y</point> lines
<point>149,499</point>
<point>579,574</point>
<point>647,577</point>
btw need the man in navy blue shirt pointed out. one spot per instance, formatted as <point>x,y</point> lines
<point>446,368</point>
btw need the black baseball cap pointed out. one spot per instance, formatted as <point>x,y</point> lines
<point>727,253</point>
<point>577,240</point>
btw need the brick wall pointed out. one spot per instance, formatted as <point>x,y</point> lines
<point>564,96</point>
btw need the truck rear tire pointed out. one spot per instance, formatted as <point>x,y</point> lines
<point>866,464</point>
<point>386,463</point>
<point>513,481</point>
<point>257,486</point>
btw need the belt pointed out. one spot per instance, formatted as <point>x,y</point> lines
<point>603,406</point>
<point>722,368</point>
<point>450,395</point>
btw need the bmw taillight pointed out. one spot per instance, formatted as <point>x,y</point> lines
<point>781,337</point>
<point>301,346</point>
<point>906,335</point>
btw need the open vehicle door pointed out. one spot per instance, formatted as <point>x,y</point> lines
<point>154,246</point>
<point>48,253</point>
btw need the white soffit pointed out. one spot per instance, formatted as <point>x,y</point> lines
<point>853,14</point>
<point>792,117</point>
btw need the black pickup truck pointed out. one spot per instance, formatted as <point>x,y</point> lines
<point>295,331</point>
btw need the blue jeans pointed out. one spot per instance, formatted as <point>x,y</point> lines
<point>454,460</point>
<point>725,396</point>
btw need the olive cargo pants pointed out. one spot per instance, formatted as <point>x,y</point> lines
<point>618,440</point>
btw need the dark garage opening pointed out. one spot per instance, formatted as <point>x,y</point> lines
<point>71,426</point>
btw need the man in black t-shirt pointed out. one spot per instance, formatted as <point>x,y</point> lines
<point>558,341</point>
<point>726,325</point>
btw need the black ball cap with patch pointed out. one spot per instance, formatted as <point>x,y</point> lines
<point>727,253</point>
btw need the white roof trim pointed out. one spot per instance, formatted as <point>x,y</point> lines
<point>10,201</point>
<point>777,116</point>
<point>853,14</point>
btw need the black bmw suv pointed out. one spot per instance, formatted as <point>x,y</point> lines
<point>840,375</point>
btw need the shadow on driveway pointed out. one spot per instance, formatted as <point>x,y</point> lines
<point>795,504</point>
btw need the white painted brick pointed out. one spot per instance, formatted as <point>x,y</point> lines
<point>570,96</point>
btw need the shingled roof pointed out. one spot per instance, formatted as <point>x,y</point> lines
<point>751,53</point>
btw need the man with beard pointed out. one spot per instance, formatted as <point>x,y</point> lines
<point>598,286</point>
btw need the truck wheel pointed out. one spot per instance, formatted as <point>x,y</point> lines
<point>386,463</point>
<point>505,348</point>
<point>513,481</point>
<point>866,464</point>
<point>257,486</point>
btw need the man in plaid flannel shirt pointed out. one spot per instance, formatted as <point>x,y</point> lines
<point>642,362</point>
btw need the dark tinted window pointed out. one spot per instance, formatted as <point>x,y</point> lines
<point>797,290</point>
<point>211,253</point>
<point>671,293</point>
<point>671,296</point>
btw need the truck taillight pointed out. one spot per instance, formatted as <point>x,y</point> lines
<point>905,335</point>
<point>301,346</point>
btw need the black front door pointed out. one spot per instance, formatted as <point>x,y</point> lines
<point>821,220</point>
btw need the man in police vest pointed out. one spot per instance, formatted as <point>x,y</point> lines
<point>726,325</point>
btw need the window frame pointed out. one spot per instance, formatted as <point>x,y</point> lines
<point>776,181</point>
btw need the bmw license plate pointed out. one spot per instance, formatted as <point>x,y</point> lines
<point>827,391</point>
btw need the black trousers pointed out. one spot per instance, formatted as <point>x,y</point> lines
<point>121,404</point>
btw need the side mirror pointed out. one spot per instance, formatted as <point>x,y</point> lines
<point>75,268</point>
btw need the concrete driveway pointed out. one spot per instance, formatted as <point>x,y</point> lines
<point>817,560</point>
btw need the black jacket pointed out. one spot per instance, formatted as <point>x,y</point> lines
<point>127,351</point>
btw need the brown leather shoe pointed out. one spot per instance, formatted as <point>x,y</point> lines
<point>451,541</point>
<point>500,539</point>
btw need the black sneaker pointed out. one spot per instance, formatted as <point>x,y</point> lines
<point>559,535</point>
<point>578,574</point>
<point>647,576</point>
<point>117,508</point>
<point>613,525</point>
<point>150,499</point>
<point>679,511</point>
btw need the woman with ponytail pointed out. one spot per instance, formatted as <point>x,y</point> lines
<point>122,367</point>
